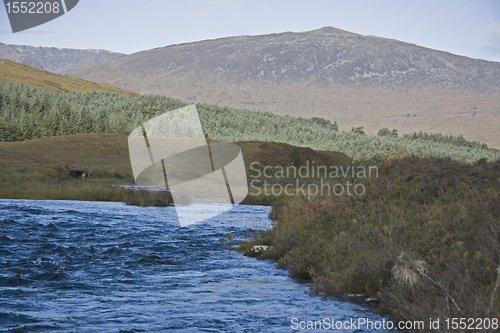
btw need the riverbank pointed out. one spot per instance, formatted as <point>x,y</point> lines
<point>423,240</point>
<point>106,189</point>
<point>83,190</point>
<point>40,168</point>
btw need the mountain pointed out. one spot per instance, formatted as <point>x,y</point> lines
<point>10,53</point>
<point>54,59</point>
<point>15,72</point>
<point>353,79</point>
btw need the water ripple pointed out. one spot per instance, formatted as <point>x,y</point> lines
<point>108,267</point>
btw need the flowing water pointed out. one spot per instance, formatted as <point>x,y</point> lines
<point>75,266</point>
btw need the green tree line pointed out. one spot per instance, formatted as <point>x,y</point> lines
<point>440,138</point>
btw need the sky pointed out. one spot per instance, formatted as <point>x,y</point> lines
<point>465,27</point>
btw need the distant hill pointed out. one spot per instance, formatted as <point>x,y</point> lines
<point>14,72</point>
<point>10,53</point>
<point>353,79</point>
<point>54,59</point>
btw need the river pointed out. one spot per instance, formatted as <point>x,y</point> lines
<point>77,266</point>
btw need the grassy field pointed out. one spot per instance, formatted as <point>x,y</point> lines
<point>105,155</point>
<point>15,72</point>
<point>75,189</point>
<point>40,169</point>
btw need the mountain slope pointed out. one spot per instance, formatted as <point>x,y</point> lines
<point>353,79</point>
<point>14,72</point>
<point>54,59</point>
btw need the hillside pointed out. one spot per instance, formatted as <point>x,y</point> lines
<point>29,113</point>
<point>353,79</point>
<point>107,154</point>
<point>54,59</point>
<point>14,72</point>
<point>423,240</point>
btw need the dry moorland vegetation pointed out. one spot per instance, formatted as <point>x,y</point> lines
<point>424,239</point>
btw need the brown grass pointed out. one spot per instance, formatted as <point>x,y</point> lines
<point>63,189</point>
<point>106,157</point>
<point>76,189</point>
<point>15,72</point>
<point>278,154</point>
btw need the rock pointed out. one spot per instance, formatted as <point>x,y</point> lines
<point>256,250</point>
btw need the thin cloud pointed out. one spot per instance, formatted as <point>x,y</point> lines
<point>495,33</point>
<point>492,49</point>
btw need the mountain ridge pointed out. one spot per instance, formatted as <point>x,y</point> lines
<point>54,59</point>
<point>440,65</point>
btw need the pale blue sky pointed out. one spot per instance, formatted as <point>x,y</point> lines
<point>465,27</point>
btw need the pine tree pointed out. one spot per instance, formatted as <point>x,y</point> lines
<point>25,126</point>
<point>4,130</point>
<point>335,126</point>
<point>359,130</point>
<point>384,132</point>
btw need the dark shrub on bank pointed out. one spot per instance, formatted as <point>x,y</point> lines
<point>424,239</point>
